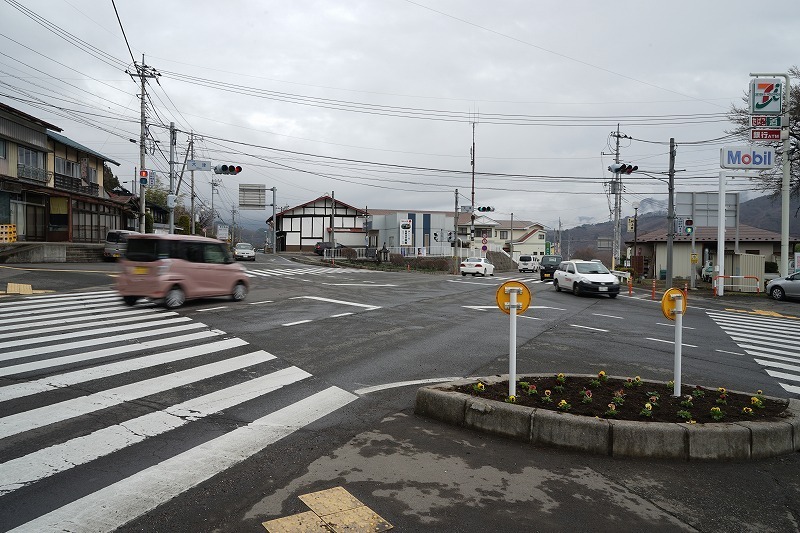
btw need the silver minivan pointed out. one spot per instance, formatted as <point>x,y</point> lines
<point>116,242</point>
<point>528,263</point>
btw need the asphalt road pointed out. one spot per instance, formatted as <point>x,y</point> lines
<point>376,336</point>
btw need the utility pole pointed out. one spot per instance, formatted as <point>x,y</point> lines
<point>472,214</point>
<point>171,195</point>
<point>511,241</point>
<point>233,225</point>
<point>191,149</point>
<point>274,223</point>
<point>214,184</point>
<point>671,211</point>
<point>333,232</point>
<point>616,190</point>
<point>142,72</point>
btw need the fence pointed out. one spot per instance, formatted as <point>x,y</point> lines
<point>741,286</point>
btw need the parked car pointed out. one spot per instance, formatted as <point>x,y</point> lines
<point>174,268</point>
<point>321,246</point>
<point>116,242</point>
<point>528,263</point>
<point>547,265</point>
<point>588,277</point>
<point>476,265</point>
<point>244,251</point>
<point>785,287</point>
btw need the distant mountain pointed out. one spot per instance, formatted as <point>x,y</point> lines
<point>763,212</point>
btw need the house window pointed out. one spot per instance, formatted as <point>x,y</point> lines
<point>541,236</point>
<point>3,149</point>
<point>30,158</point>
<point>503,234</point>
<point>753,252</point>
<point>67,168</point>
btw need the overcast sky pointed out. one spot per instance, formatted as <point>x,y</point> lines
<point>376,100</point>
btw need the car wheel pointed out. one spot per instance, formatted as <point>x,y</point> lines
<point>576,290</point>
<point>464,274</point>
<point>555,285</point>
<point>239,292</point>
<point>777,293</point>
<point>175,297</point>
<point>130,300</point>
<point>473,274</point>
<point>484,272</point>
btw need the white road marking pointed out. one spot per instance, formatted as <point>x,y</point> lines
<point>119,503</point>
<point>609,316</point>
<point>587,327</point>
<point>68,379</point>
<point>40,464</point>
<point>732,353</point>
<point>212,308</point>
<point>259,303</point>
<point>529,317</point>
<point>341,314</point>
<point>359,284</point>
<point>320,299</point>
<point>79,323</point>
<point>670,342</point>
<point>114,350</point>
<point>396,384</point>
<point>671,325</point>
<point>296,323</point>
<point>50,414</point>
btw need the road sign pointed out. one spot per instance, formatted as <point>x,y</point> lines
<point>668,304</point>
<point>765,121</point>
<point>484,241</point>
<point>503,296</point>
<point>194,164</point>
<point>765,134</point>
<point>484,248</point>
<point>695,258</point>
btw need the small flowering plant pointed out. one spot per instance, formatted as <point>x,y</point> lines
<point>647,412</point>
<point>670,384</point>
<point>723,399</point>
<point>757,401</point>
<point>637,381</point>
<point>532,390</point>
<point>619,397</point>
<point>747,411</point>
<point>687,401</point>
<point>561,378</point>
<point>586,396</point>
<point>547,398</point>
<point>629,383</point>
<point>564,406</point>
<point>611,412</point>
<point>698,392</point>
<point>511,399</point>
<point>717,414</point>
<point>479,387</point>
<point>654,398</point>
<point>684,415</point>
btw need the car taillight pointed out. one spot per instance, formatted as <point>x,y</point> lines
<point>463,264</point>
<point>478,265</point>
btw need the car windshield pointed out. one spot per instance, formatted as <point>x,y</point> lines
<point>591,268</point>
<point>244,246</point>
<point>475,260</point>
<point>551,260</point>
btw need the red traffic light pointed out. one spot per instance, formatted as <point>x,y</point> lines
<point>144,173</point>
<point>227,169</point>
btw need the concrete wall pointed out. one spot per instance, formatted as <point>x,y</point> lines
<point>50,252</point>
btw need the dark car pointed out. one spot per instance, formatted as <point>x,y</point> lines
<point>547,265</point>
<point>320,247</point>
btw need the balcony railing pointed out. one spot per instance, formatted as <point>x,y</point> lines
<point>68,183</point>
<point>32,173</point>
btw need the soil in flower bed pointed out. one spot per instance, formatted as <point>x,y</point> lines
<point>635,394</point>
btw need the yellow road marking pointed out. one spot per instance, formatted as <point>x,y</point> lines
<point>763,312</point>
<point>331,510</point>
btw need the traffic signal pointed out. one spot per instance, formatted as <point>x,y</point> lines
<point>688,226</point>
<point>449,236</point>
<point>622,168</point>
<point>436,237</point>
<point>144,177</point>
<point>227,169</point>
<point>485,208</point>
<point>631,225</point>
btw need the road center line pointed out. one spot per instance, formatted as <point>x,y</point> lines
<point>587,327</point>
<point>670,342</point>
<point>296,323</point>
<point>320,299</point>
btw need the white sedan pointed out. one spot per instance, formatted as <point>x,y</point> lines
<point>244,251</point>
<point>476,265</point>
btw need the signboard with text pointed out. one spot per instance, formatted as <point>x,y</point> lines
<point>746,157</point>
<point>766,96</point>
<point>764,134</point>
<point>406,233</point>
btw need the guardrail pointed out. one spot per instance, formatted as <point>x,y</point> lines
<point>749,286</point>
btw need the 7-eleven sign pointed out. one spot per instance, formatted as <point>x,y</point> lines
<point>766,96</point>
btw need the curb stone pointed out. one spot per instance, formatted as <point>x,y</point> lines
<point>617,438</point>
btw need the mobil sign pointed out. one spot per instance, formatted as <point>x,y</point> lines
<point>747,157</point>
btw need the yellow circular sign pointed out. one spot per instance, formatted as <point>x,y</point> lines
<point>503,296</point>
<point>668,304</point>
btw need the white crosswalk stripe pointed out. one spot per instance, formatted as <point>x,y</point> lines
<point>84,378</point>
<point>773,342</point>
<point>291,272</point>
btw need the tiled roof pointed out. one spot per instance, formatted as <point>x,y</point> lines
<point>69,142</point>
<point>709,234</point>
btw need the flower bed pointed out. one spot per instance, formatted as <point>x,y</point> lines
<point>631,399</point>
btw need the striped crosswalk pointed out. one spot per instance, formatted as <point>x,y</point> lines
<point>302,271</point>
<point>87,384</point>
<point>773,342</point>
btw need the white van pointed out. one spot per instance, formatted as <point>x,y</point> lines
<point>528,263</point>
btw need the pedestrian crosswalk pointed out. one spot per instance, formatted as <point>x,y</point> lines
<point>302,271</point>
<point>88,384</point>
<point>772,341</point>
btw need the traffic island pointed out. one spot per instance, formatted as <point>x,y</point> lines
<point>717,441</point>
